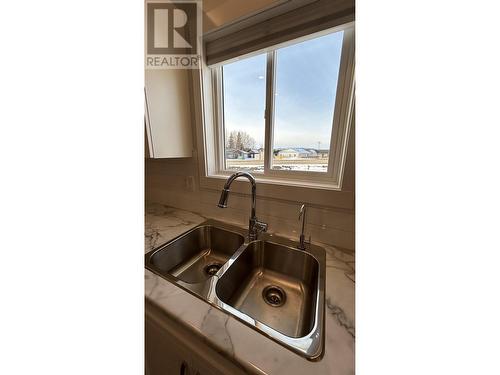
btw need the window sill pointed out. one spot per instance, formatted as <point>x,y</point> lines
<point>314,193</point>
<point>308,184</point>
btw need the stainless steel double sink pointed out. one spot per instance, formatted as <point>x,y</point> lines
<point>268,284</point>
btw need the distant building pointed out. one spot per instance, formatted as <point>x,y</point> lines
<point>303,153</point>
<point>300,153</point>
<point>287,153</point>
<point>256,154</point>
<point>231,153</point>
<point>323,153</point>
<point>242,154</point>
<point>312,153</point>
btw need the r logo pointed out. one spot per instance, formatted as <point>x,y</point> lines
<point>180,20</point>
<point>172,28</point>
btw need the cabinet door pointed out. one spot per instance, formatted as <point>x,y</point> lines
<point>172,349</point>
<point>162,358</point>
<point>168,113</point>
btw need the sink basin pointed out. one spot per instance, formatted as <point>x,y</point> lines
<point>267,284</point>
<point>198,254</point>
<point>274,284</point>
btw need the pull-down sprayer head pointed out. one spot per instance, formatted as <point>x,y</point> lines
<point>223,198</point>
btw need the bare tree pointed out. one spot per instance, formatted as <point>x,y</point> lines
<point>240,140</point>
<point>247,141</point>
<point>239,144</point>
<point>230,143</point>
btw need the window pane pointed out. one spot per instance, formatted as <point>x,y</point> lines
<point>244,91</point>
<point>306,84</point>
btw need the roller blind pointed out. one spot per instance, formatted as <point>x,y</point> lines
<point>236,40</point>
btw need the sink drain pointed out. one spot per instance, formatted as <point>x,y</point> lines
<point>212,269</point>
<point>273,295</point>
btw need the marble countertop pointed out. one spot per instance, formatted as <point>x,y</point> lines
<point>256,353</point>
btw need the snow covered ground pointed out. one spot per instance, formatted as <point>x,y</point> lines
<point>288,167</point>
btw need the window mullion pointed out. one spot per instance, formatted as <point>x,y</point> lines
<point>219,119</point>
<point>269,113</point>
<point>215,116</point>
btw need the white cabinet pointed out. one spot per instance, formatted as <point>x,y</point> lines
<point>168,113</point>
<point>173,350</point>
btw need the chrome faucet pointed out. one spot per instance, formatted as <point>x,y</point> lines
<point>302,215</point>
<point>254,225</point>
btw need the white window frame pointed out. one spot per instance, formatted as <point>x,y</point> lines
<point>213,132</point>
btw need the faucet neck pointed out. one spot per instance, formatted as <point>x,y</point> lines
<point>251,179</point>
<point>254,225</point>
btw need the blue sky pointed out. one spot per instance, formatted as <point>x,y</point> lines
<point>306,82</point>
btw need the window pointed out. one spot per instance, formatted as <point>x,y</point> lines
<point>284,113</point>
<point>244,96</point>
<point>305,86</point>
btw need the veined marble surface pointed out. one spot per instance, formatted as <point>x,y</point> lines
<point>244,345</point>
